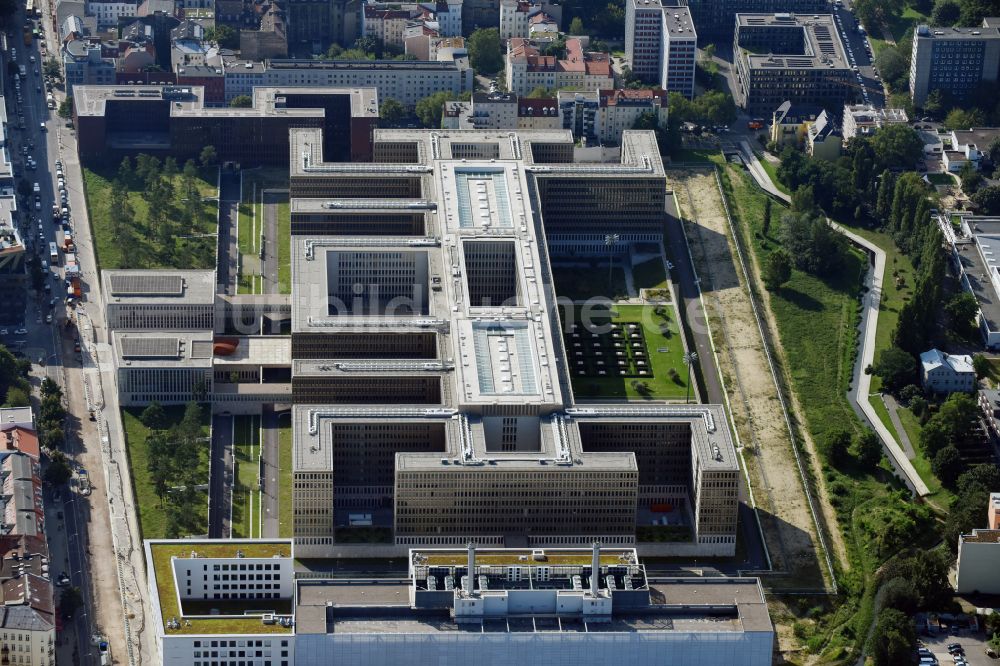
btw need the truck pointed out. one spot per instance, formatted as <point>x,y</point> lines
<point>74,290</point>
<point>69,259</point>
<point>67,242</point>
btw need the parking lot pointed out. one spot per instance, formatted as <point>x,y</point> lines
<point>973,644</point>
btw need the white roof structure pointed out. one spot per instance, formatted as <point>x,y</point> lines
<point>935,358</point>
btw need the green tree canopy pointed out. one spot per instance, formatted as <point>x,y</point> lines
<point>484,50</point>
<point>946,13</point>
<point>896,146</point>
<point>241,102</point>
<point>895,367</point>
<point>391,111</point>
<point>893,640</point>
<point>224,35</point>
<point>576,27</point>
<point>987,199</point>
<point>777,269</point>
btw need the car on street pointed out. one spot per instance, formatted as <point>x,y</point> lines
<point>48,319</point>
<point>21,331</point>
<point>62,580</point>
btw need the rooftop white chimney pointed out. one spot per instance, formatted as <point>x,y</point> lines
<point>469,578</point>
<point>595,569</point>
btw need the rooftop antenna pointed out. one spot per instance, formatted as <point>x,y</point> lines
<point>595,569</point>
<point>469,584</point>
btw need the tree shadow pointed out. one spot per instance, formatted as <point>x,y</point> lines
<point>800,299</point>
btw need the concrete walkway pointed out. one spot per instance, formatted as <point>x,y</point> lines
<point>871,302</point>
<point>893,407</point>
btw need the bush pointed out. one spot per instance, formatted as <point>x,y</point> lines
<point>909,392</point>
<point>868,449</point>
<point>948,466</point>
<point>895,367</point>
<point>835,446</point>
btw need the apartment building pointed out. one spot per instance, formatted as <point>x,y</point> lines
<point>528,69</point>
<point>954,60</point>
<point>159,299</point>
<point>385,23</point>
<point>790,57</point>
<point>27,607</point>
<point>518,16</point>
<point>866,119</point>
<point>498,110</point>
<point>979,554</point>
<point>405,81</point>
<point>13,254</point>
<point>429,391</point>
<point>319,22</point>
<point>661,44</point>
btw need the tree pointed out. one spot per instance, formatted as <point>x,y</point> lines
<point>241,102</point>
<point>970,177</point>
<point>962,309</point>
<point>430,108</point>
<point>945,13</point>
<point>17,397</point>
<point>576,27</point>
<point>69,601</point>
<point>947,466</point>
<point>893,639</point>
<point>50,388</point>
<point>896,146</point>
<point>484,50</point>
<point>208,155</point>
<point>868,449</point>
<point>58,471</point>
<point>982,366</point>
<point>777,269</point>
<point>224,36</point>
<point>927,573</point>
<point>540,92</point>
<point>53,438</point>
<point>391,112</point>
<point>52,69</point>
<point>950,425</point>
<point>153,417</point>
<point>963,119</point>
<point>987,200</point>
<point>893,66</point>
<point>66,108</point>
<point>803,200</point>
<point>899,594</point>
<point>895,367</point>
<point>835,445</point>
<point>765,226</point>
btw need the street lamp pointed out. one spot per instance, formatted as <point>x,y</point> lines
<point>610,240</point>
<point>689,359</point>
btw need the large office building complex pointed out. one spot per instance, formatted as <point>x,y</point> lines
<point>236,603</point>
<point>954,60</point>
<point>661,44</point>
<point>714,18</point>
<point>113,121</point>
<point>789,57</point>
<point>429,377</point>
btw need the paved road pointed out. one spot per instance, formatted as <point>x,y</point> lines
<point>856,42</point>
<point>229,199</point>
<point>269,453</point>
<point>220,500</point>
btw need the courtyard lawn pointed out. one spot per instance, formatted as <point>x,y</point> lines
<point>663,353</point>
<point>152,517</point>
<point>284,248</point>
<point>246,491</point>
<point>193,247</point>
<point>251,216</point>
<point>285,481</point>
<point>580,282</point>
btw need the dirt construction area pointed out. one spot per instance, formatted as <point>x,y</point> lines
<point>786,520</point>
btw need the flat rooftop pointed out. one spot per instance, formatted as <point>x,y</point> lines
<point>92,100</point>
<point>159,555</point>
<point>255,350</point>
<point>163,349</point>
<point>159,287</point>
<point>435,557</point>
<point>822,47</point>
<point>988,31</point>
<point>980,262</point>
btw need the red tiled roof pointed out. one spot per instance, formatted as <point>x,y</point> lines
<point>20,439</point>
<point>613,97</point>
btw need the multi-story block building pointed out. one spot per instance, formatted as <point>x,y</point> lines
<point>979,555</point>
<point>221,603</point>
<point>865,119</point>
<point>320,22</point>
<point>954,60</point>
<point>27,608</point>
<point>528,69</point>
<point>13,254</point>
<point>175,119</point>
<point>427,373</point>
<point>405,81</point>
<point>158,299</point>
<point>108,13</point>
<point>533,606</point>
<point>169,367</point>
<point>661,44</point>
<point>789,57</point>
<point>714,18</point>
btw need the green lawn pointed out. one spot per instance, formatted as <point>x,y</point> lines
<point>246,492</point>
<point>251,215</point>
<point>659,385</point>
<point>772,173</point>
<point>702,155</point>
<point>285,481</point>
<point>939,494</point>
<point>152,518</point>
<point>579,283</point>
<point>284,248</point>
<point>940,179</point>
<point>816,317</point>
<point>190,247</point>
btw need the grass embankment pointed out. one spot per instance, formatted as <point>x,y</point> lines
<point>285,481</point>
<point>251,220</point>
<point>190,248</point>
<point>664,351</point>
<point>816,322</point>
<point>246,491</point>
<point>152,518</point>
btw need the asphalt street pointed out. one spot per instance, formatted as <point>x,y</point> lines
<point>220,498</point>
